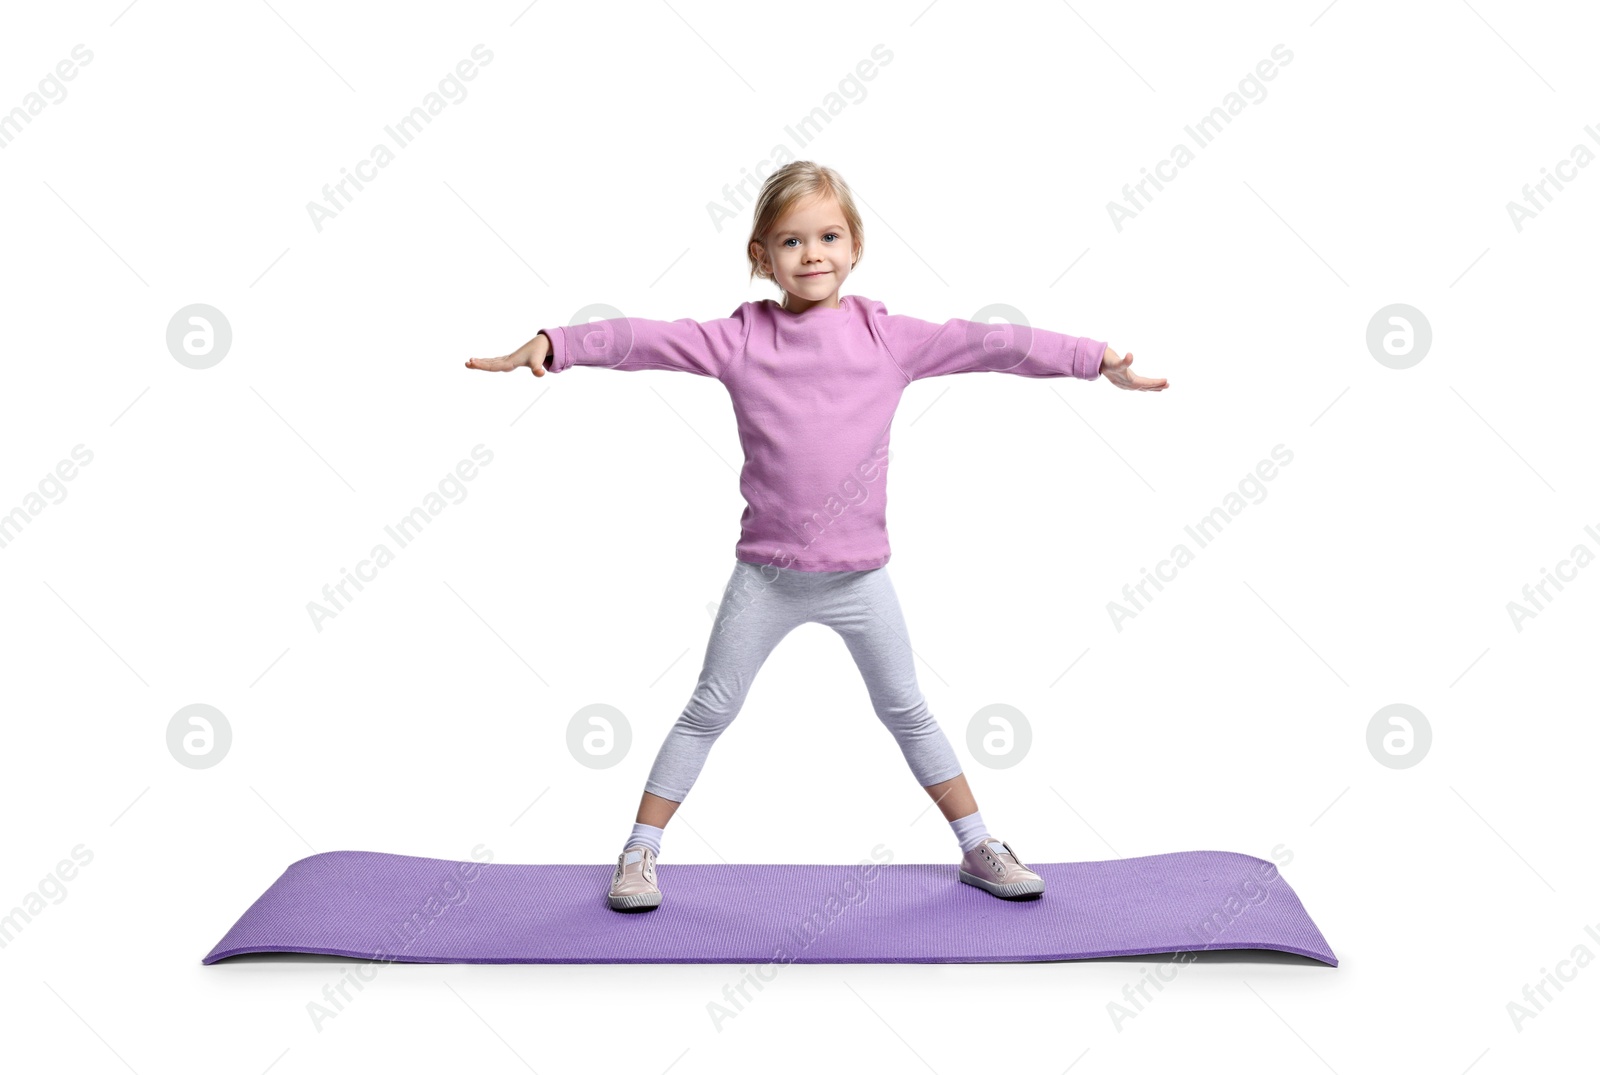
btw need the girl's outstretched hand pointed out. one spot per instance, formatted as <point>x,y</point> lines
<point>1115,367</point>
<point>532,354</point>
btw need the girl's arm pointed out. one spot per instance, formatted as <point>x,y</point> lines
<point>925,349</point>
<point>706,348</point>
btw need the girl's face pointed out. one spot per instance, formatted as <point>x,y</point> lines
<point>809,252</point>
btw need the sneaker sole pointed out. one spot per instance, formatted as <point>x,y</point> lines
<point>1015,888</point>
<point>638,899</point>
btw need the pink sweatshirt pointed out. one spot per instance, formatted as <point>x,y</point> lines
<point>814,394</point>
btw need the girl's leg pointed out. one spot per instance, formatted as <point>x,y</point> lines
<point>654,810</point>
<point>953,796</point>
<point>866,613</point>
<point>650,823</point>
<point>754,616</point>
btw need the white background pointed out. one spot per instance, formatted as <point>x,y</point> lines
<point>583,564</point>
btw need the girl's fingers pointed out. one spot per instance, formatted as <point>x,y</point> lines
<point>508,362</point>
<point>1137,383</point>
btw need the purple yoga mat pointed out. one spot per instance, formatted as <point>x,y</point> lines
<point>425,910</point>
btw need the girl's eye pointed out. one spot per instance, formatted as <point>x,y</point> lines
<point>831,234</point>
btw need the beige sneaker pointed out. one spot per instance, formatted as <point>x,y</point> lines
<point>633,885</point>
<point>994,867</point>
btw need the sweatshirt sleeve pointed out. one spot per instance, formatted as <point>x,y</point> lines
<point>636,343</point>
<point>925,349</point>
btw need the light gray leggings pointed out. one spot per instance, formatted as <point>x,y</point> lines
<point>760,606</point>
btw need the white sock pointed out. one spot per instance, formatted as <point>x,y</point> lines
<point>970,831</point>
<point>648,835</point>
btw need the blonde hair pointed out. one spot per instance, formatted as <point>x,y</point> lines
<point>796,182</point>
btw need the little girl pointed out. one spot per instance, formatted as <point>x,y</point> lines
<point>815,381</point>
